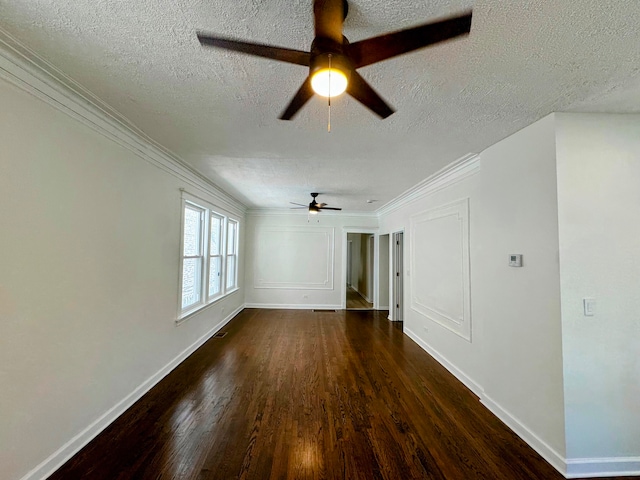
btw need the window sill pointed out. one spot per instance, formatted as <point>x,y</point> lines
<point>200,308</point>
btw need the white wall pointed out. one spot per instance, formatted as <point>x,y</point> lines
<point>463,355</point>
<point>301,284</point>
<point>514,358</point>
<point>89,257</point>
<point>361,264</point>
<point>519,308</point>
<point>368,250</point>
<point>599,212</point>
<point>384,272</point>
<point>365,264</point>
<point>356,266</point>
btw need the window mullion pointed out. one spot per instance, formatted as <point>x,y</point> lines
<point>204,251</point>
<point>223,256</point>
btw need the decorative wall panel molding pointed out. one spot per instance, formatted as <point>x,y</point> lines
<point>294,258</point>
<point>440,286</point>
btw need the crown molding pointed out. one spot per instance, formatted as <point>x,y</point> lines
<point>443,178</point>
<point>24,69</point>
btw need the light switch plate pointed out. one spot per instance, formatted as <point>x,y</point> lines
<point>589,305</point>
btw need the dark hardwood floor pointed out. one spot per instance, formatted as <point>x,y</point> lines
<point>356,300</point>
<point>300,395</point>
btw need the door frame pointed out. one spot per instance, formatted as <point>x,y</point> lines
<point>384,271</point>
<point>372,276</point>
<point>349,257</point>
<point>343,288</point>
<point>396,314</point>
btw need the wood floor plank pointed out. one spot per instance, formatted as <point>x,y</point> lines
<point>308,395</point>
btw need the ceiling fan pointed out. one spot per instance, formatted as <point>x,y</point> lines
<point>333,61</point>
<point>314,207</point>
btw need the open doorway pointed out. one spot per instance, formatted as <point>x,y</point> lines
<point>360,266</point>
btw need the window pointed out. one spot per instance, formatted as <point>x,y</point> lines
<point>215,255</point>
<point>209,256</point>
<point>232,262</point>
<point>192,255</point>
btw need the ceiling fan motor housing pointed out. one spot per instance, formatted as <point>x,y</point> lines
<point>325,52</point>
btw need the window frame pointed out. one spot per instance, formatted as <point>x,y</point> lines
<point>220,255</point>
<point>207,212</point>
<point>233,255</point>
<point>201,255</point>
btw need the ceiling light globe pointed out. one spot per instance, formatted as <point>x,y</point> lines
<point>329,82</point>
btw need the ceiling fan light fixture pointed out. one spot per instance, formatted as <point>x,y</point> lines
<point>333,60</point>
<point>329,82</point>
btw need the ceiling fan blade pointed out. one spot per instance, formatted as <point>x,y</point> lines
<point>329,208</point>
<point>359,89</point>
<point>267,51</point>
<point>329,17</point>
<point>380,48</point>
<point>297,102</point>
<point>298,208</point>
<point>299,204</point>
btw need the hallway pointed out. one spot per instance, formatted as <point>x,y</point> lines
<point>355,301</point>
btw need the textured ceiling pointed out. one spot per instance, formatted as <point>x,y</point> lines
<point>218,110</point>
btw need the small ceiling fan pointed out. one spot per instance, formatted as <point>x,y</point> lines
<point>333,61</point>
<point>314,207</point>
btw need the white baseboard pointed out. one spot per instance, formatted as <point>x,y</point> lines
<point>569,468</point>
<point>603,467</point>
<point>455,371</point>
<point>292,306</point>
<point>547,452</point>
<point>73,446</point>
<point>383,307</point>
